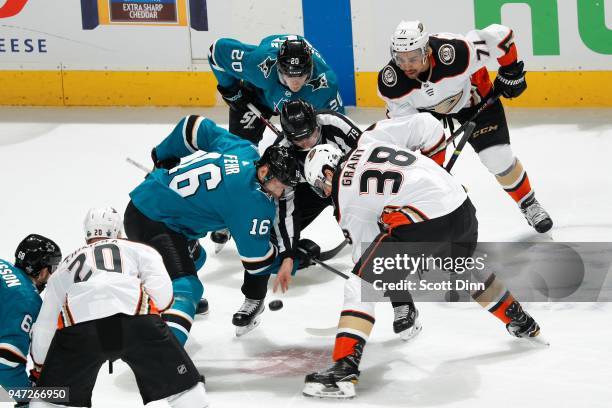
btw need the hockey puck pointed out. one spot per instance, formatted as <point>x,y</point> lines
<point>202,308</point>
<point>275,305</point>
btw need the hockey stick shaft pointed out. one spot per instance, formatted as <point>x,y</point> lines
<point>138,165</point>
<point>327,255</point>
<point>261,117</point>
<point>467,132</point>
<point>324,265</point>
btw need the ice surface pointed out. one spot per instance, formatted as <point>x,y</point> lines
<point>56,163</point>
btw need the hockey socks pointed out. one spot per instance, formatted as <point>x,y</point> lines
<point>354,330</point>
<point>187,293</point>
<point>495,298</point>
<point>515,182</point>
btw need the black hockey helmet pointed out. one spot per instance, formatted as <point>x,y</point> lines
<point>282,165</point>
<point>295,58</point>
<point>298,119</point>
<point>36,252</point>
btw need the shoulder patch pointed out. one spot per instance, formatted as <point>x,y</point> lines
<point>266,66</point>
<point>389,77</point>
<point>319,82</point>
<point>446,54</point>
<point>393,84</point>
<point>451,56</point>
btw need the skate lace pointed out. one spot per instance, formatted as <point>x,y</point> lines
<point>401,312</point>
<point>516,313</point>
<point>249,306</point>
<point>535,213</point>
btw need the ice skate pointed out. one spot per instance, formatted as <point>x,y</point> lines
<point>220,238</point>
<point>406,321</point>
<point>536,216</point>
<point>248,316</point>
<point>523,325</point>
<point>337,382</point>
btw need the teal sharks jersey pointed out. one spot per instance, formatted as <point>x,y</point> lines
<point>19,307</point>
<point>232,61</point>
<point>214,188</point>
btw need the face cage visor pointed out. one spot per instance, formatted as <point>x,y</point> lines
<point>401,57</point>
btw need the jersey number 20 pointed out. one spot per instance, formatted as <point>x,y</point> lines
<point>107,258</point>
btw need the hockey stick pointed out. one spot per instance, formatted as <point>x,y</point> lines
<point>467,132</point>
<point>327,255</point>
<point>257,112</point>
<point>484,106</point>
<point>137,165</point>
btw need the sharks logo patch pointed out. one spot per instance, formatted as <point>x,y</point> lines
<point>319,82</point>
<point>266,66</point>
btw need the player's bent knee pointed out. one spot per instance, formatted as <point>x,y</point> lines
<point>194,397</point>
<point>498,158</point>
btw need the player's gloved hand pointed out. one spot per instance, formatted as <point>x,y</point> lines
<point>237,97</point>
<point>167,164</point>
<point>307,250</point>
<point>510,81</point>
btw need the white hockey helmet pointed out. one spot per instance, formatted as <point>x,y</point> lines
<point>409,36</point>
<point>321,157</point>
<point>102,222</point>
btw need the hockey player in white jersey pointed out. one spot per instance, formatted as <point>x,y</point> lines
<point>445,74</point>
<point>384,193</point>
<point>304,128</point>
<point>108,295</point>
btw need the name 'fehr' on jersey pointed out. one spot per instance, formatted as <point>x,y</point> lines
<point>458,77</point>
<point>380,176</point>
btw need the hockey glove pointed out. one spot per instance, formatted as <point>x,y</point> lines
<point>237,97</point>
<point>307,251</point>
<point>167,164</point>
<point>510,81</point>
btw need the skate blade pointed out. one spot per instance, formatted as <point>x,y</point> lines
<point>345,390</point>
<point>241,331</point>
<point>538,340</point>
<point>411,333</point>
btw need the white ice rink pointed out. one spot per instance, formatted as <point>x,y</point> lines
<point>56,163</point>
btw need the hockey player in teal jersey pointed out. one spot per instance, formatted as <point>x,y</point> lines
<point>224,184</point>
<point>36,258</point>
<point>280,69</point>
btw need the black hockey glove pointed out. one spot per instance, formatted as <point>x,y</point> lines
<point>307,250</point>
<point>237,97</point>
<point>167,164</point>
<point>510,81</point>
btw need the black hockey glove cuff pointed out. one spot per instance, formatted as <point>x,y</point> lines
<point>510,81</point>
<point>288,253</point>
<point>167,164</point>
